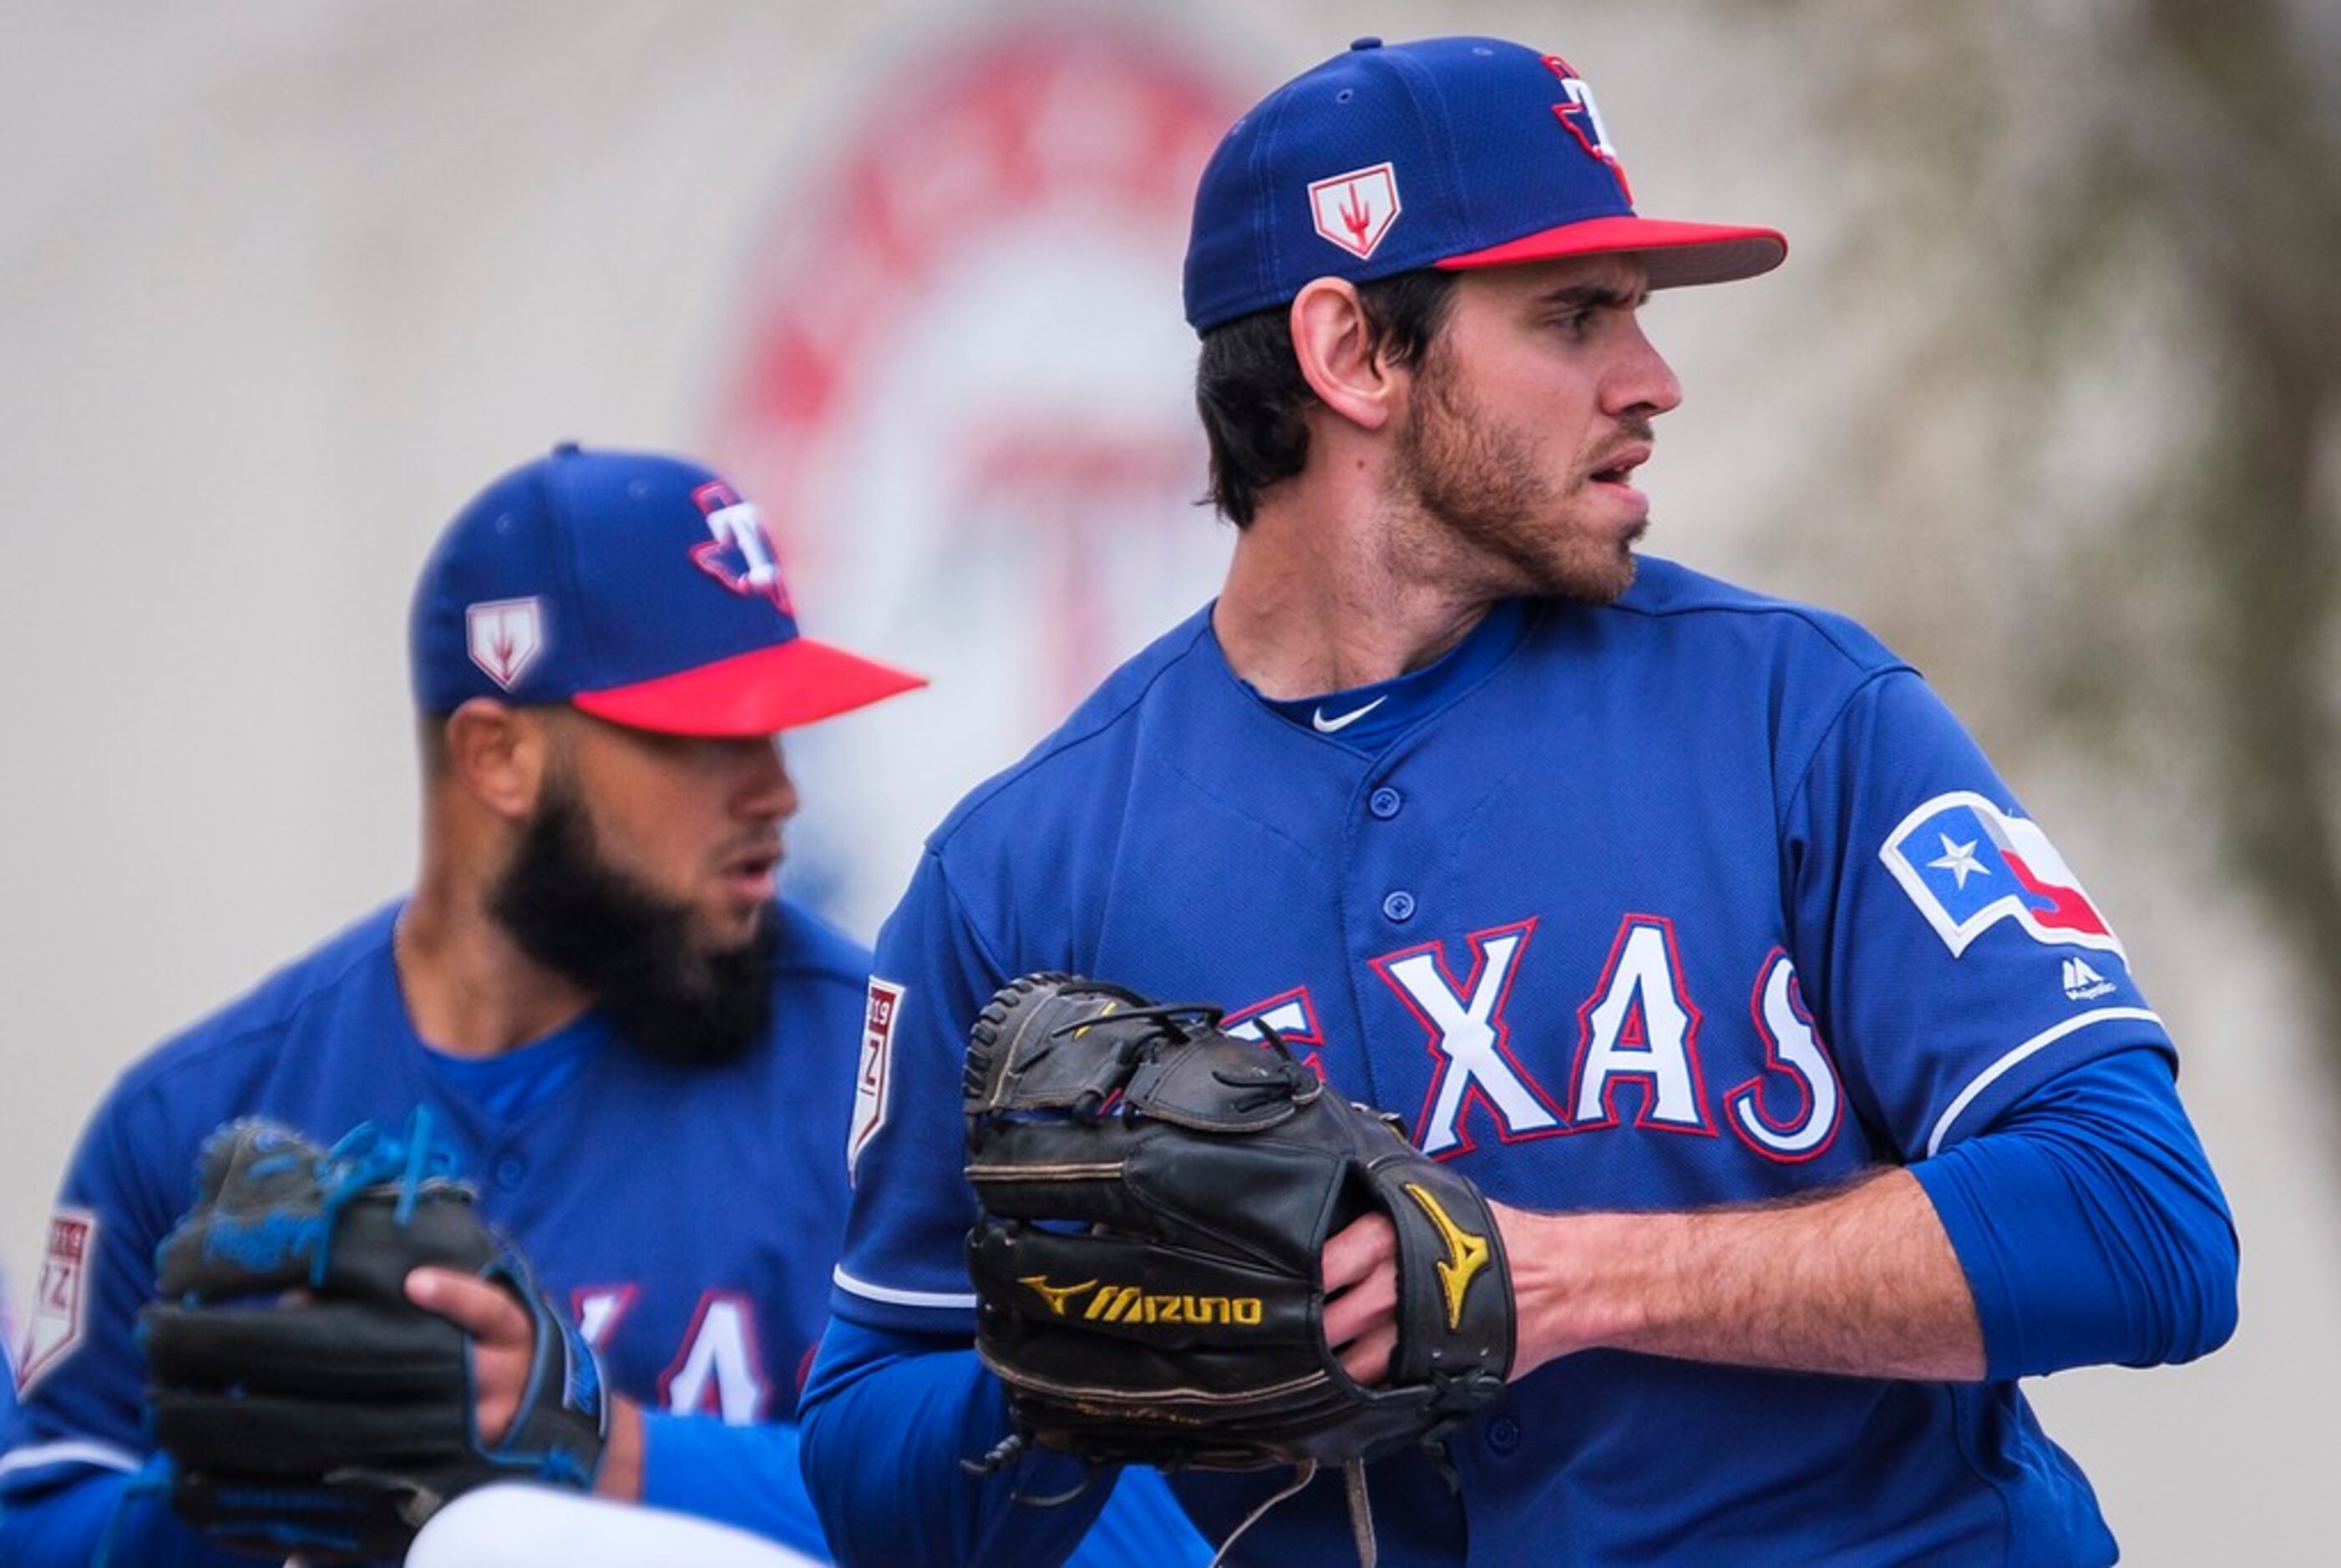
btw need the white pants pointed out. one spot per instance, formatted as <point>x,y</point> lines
<point>518,1526</point>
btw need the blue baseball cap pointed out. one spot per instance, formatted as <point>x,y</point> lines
<point>635,586</point>
<point>1450,153</point>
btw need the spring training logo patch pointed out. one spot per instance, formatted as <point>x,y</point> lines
<point>1968,865</point>
<point>1356,210</point>
<point>504,638</point>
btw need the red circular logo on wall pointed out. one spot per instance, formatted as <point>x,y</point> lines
<point>963,399</point>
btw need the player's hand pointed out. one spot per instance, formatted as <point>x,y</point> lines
<point>1360,1272</point>
<point>502,1350</point>
<point>503,1340</point>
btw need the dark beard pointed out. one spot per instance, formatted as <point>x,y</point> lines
<point>576,914</point>
<point>1477,478</point>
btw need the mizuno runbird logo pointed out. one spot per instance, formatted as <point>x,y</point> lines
<point>1056,1296</point>
<point>1466,1254</point>
<point>1128,1304</point>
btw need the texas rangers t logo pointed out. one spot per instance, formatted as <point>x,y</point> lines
<point>1968,865</point>
<point>740,556</point>
<point>1582,117</point>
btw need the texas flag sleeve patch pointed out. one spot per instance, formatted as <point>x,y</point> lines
<point>1968,866</point>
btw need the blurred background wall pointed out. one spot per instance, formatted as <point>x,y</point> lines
<point>2047,393</point>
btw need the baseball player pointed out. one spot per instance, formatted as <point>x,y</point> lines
<point>642,1056</point>
<point>1813,1098</point>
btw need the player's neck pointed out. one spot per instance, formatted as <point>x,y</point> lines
<point>469,989</point>
<point>1314,602</point>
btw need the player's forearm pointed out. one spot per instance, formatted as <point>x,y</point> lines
<point>1861,1282</point>
<point>620,1479</point>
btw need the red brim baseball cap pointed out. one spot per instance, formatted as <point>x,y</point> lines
<point>633,586</point>
<point>1446,152</point>
<point>1675,254</point>
<point>758,693</point>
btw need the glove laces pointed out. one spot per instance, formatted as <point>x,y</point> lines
<point>367,1157</point>
<point>1361,1513</point>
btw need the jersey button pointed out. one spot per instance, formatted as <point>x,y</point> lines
<point>1503,1434</point>
<point>1385,802</point>
<point>1398,907</point>
<point>510,1170</point>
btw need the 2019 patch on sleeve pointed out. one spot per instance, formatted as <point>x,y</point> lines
<point>60,1305</point>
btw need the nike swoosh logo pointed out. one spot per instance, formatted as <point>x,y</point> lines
<point>1324,726</point>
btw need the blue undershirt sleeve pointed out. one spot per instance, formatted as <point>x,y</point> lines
<point>887,1419</point>
<point>2089,1225</point>
<point>746,1477</point>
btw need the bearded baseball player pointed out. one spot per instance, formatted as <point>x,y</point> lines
<point>631,1059</point>
<point>1808,1100</point>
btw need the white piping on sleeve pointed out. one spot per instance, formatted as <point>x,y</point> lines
<point>931,1298</point>
<point>73,1451</point>
<point>2038,1042</point>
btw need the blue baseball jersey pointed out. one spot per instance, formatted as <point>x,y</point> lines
<point>1701,897</point>
<point>687,1217</point>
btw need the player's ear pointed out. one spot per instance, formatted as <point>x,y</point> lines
<point>1340,355</point>
<point>497,754</point>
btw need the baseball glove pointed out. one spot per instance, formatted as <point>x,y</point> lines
<point>1156,1197</point>
<point>305,1404</point>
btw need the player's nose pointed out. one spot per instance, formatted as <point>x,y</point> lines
<point>1643,382</point>
<point>765,792</point>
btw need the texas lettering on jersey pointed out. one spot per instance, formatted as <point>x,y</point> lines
<point>1638,1048</point>
<point>717,1370</point>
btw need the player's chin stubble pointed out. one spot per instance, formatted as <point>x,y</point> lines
<point>1479,479</point>
<point>573,912</point>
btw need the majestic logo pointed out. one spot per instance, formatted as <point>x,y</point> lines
<point>1968,865</point>
<point>61,1297</point>
<point>1324,726</point>
<point>505,636</point>
<point>1131,1304</point>
<point>873,1085</point>
<point>1466,1254</point>
<point>1581,116</point>
<point>2084,984</point>
<point>741,555</point>
<point>1356,210</point>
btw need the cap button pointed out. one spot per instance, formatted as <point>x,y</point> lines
<point>1365,43</point>
<point>564,449</point>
